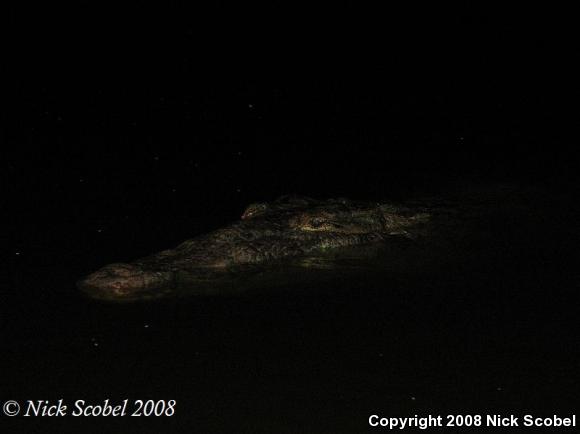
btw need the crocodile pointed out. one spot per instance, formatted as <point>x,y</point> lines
<point>290,226</point>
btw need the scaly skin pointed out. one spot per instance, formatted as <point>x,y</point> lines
<point>287,227</point>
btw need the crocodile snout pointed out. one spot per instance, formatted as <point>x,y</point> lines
<point>118,280</point>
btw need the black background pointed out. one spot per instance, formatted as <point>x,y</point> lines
<point>127,130</point>
<point>268,101</point>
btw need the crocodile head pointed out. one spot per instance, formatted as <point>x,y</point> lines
<point>287,227</point>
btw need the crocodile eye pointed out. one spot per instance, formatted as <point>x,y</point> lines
<point>253,210</point>
<point>316,223</point>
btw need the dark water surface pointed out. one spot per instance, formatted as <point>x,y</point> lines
<point>478,324</point>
